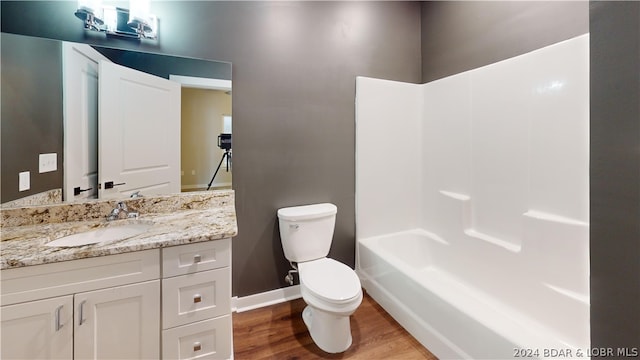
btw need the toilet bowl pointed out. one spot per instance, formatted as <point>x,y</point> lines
<point>332,292</point>
<point>331,289</point>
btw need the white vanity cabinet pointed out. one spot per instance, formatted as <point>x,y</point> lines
<point>110,306</point>
<point>104,307</point>
<point>196,301</point>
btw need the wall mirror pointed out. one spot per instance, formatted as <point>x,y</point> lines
<point>120,122</point>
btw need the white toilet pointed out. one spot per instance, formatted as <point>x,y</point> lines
<point>330,288</point>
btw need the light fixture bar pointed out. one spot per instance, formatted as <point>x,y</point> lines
<point>136,24</point>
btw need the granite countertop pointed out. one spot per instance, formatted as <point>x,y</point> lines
<point>176,219</point>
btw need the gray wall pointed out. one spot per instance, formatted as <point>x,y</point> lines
<point>615,174</point>
<point>294,68</point>
<point>36,118</point>
<point>461,35</point>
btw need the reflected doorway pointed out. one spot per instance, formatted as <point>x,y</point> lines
<point>206,114</point>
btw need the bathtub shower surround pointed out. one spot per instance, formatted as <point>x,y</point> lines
<point>479,242</point>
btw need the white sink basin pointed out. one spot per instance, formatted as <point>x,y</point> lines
<point>108,233</point>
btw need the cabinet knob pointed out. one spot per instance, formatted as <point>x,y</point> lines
<point>197,298</point>
<point>197,258</point>
<point>197,346</point>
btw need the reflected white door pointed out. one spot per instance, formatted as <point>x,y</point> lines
<point>80,94</point>
<point>139,133</point>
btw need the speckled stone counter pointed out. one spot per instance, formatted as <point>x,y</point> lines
<point>176,219</point>
<point>48,197</point>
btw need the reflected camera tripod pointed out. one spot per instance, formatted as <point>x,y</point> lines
<point>224,142</point>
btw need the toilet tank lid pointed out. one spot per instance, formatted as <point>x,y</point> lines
<point>306,212</point>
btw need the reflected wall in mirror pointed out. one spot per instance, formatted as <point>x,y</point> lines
<point>35,120</point>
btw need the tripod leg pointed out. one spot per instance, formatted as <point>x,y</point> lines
<point>216,173</point>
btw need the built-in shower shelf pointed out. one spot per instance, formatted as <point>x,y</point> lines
<point>569,293</point>
<point>454,195</point>
<point>493,240</point>
<point>466,209</point>
<point>540,215</point>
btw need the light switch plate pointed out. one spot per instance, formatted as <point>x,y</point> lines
<point>48,162</point>
<point>24,182</point>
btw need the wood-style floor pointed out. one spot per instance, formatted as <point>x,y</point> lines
<point>278,332</point>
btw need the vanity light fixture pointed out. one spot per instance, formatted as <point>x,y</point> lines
<point>136,22</point>
<point>91,12</point>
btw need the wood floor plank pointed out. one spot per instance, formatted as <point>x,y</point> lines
<point>278,332</point>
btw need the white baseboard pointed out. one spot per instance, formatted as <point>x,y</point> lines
<point>267,298</point>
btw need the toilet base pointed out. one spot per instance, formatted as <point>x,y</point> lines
<point>330,332</point>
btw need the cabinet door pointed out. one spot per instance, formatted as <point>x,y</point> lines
<point>38,329</point>
<point>118,323</point>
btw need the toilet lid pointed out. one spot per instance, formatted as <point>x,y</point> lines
<point>329,279</point>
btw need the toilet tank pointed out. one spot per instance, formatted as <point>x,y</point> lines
<point>306,231</point>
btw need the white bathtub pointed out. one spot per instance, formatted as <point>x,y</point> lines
<point>407,274</point>
<point>503,184</point>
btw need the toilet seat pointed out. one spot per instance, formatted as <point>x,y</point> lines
<point>330,280</point>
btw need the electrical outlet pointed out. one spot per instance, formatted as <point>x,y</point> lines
<point>193,172</point>
<point>24,182</point>
<point>48,162</point>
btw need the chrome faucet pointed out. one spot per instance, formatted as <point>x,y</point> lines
<point>136,195</point>
<point>121,208</point>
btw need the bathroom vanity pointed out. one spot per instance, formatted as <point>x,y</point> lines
<point>163,293</point>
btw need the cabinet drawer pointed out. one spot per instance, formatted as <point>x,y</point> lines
<point>66,277</point>
<point>208,339</point>
<point>195,297</point>
<point>187,259</point>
